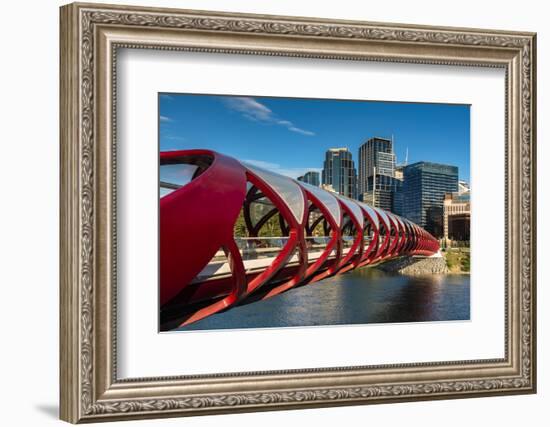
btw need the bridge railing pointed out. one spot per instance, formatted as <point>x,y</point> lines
<point>267,247</point>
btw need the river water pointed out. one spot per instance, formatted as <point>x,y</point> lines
<point>365,295</point>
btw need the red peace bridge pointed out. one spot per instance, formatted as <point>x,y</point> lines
<point>232,233</point>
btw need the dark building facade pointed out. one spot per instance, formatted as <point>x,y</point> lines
<point>423,193</point>
<point>380,191</point>
<point>375,156</point>
<point>311,178</point>
<point>377,183</point>
<point>339,173</point>
<point>397,200</point>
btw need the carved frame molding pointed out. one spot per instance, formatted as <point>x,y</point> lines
<point>90,37</point>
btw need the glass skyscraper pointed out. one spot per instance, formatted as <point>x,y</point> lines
<point>375,155</point>
<point>339,172</point>
<point>311,178</point>
<point>383,196</point>
<point>424,188</point>
<point>377,181</point>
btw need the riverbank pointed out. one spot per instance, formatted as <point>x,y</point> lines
<point>458,260</point>
<point>415,266</point>
<point>451,261</point>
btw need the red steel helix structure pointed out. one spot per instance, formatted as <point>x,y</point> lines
<point>234,233</point>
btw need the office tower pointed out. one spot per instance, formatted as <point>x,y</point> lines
<point>311,178</point>
<point>377,182</point>
<point>424,188</point>
<point>339,172</point>
<point>381,190</point>
<point>375,156</point>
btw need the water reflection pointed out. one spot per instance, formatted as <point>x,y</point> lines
<point>361,296</point>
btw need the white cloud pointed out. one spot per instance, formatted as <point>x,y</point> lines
<point>258,112</point>
<point>302,131</point>
<point>165,119</point>
<point>277,168</point>
<point>250,108</point>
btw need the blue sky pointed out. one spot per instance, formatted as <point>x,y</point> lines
<point>290,136</point>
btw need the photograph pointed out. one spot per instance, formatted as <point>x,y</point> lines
<point>298,212</point>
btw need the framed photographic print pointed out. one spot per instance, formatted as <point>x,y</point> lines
<point>265,212</point>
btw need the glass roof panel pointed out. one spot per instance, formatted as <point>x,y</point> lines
<point>327,199</point>
<point>384,217</point>
<point>401,222</point>
<point>393,221</point>
<point>165,191</point>
<point>354,208</point>
<point>175,176</point>
<point>398,222</point>
<point>371,213</point>
<point>285,187</point>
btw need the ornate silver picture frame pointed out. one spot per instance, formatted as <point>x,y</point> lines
<point>91,36</point>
